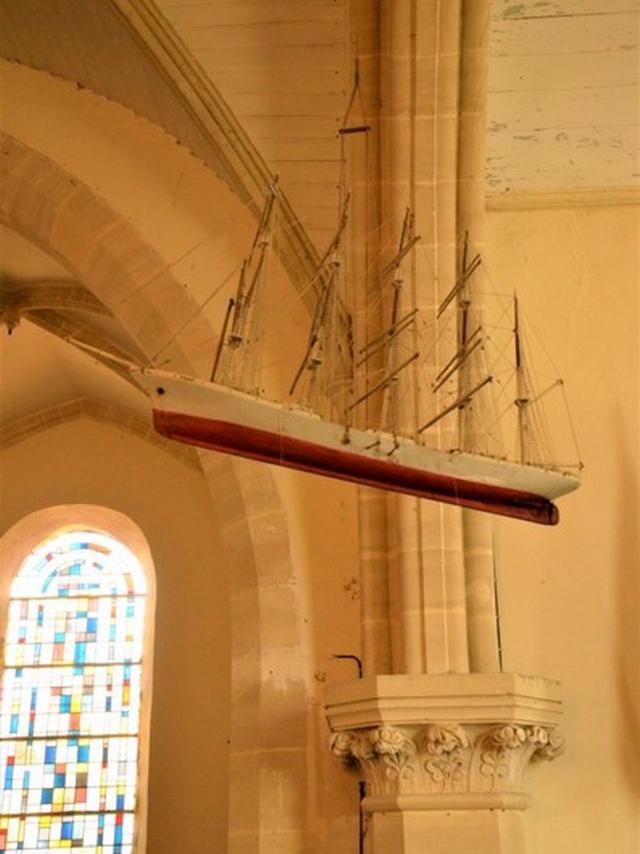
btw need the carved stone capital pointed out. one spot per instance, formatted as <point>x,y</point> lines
<point>476,761</point>
<point>444,758</point>
<point>385,754</point>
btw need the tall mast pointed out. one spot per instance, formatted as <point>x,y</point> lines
<point>324,319</point>
<point>389,417</point>
<point>523,397</point>
<point>238,330</point>
<point>465,363</point>
<point>388,341</point>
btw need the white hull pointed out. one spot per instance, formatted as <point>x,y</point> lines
<point>183,408</point>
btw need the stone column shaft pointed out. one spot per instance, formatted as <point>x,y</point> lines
<point>419,130</point>
<point>477,527</point>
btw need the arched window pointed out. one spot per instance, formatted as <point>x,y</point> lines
<point>71,695</point>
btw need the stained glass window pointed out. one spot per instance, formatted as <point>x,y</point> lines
<point>70,704</point>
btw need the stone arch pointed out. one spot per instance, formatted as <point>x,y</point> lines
<point>61,214</point>
<point>64,217</point>
<point>84,407</point>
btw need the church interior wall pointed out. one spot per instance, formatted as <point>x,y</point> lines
<point>258,568</point>
<point>85,462</point>
<point>568,596</point>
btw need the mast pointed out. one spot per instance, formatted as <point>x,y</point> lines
<point>323,332</point>
<point>523,397</point>
<point>463,363</point>
<point>390,399</point>
<point>239,326</point>
<point>389,340</point>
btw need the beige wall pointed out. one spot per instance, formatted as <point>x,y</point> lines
<point>86,462</point>
<point>569,596</point>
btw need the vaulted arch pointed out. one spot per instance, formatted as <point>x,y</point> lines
<point>54,207</point>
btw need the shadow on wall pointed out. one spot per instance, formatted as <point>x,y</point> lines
<point>627,584</point>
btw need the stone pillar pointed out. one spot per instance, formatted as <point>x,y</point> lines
<point>419,103</point>
<point>445,757</point>
<point>470,205</point>
<point>444,741</point>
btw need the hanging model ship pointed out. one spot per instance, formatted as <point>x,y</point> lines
<point>228,414</point>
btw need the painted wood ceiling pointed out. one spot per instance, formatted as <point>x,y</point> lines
<point>282,65</point>
<point>563,109</point>
<point>563,96</point>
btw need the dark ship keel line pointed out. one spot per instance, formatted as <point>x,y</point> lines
<point>283,450</point>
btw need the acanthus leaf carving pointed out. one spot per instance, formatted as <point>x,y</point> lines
<point>551,746</point>
<point>445,746</point>
<point>446,757</point>
<point>495,756</point>
<point>396,750</point>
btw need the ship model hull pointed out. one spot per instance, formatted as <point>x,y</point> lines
<point>212,416</point>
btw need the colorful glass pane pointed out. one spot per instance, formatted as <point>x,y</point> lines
<point>70,703</point>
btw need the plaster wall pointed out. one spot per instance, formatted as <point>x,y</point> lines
<point>324,545</point>
<point>85,462</point>
<point>569,595</point>
<point>283,641</point>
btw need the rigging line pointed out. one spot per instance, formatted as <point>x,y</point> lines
<point>393,265</point>
<point>342,224</point>
<point>461,401</point>
<point>390,225</point>
<point>267,209</point>
<point>458,364</point>
<point>530,328</point>
<point>288,227</point>
<point>168,266</point>
<point>574,435</point>
<point>221,340</point>
<point>286,304</point>
<point>105,353</point>
<point>539,396</point>
<point>68,330</point>
<point>441,333</point>
<point>460,353</point>
<point>500,352</point>
<point>389,378</point>
<point>459,285</point>
<point>499,417</point>
<point>388,339</point>
<point>192,317</point>
<point>312,342</point>
<point>395,328</point>
<point>503,312</point>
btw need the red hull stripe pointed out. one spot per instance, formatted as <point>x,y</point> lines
<point>384,474</point>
